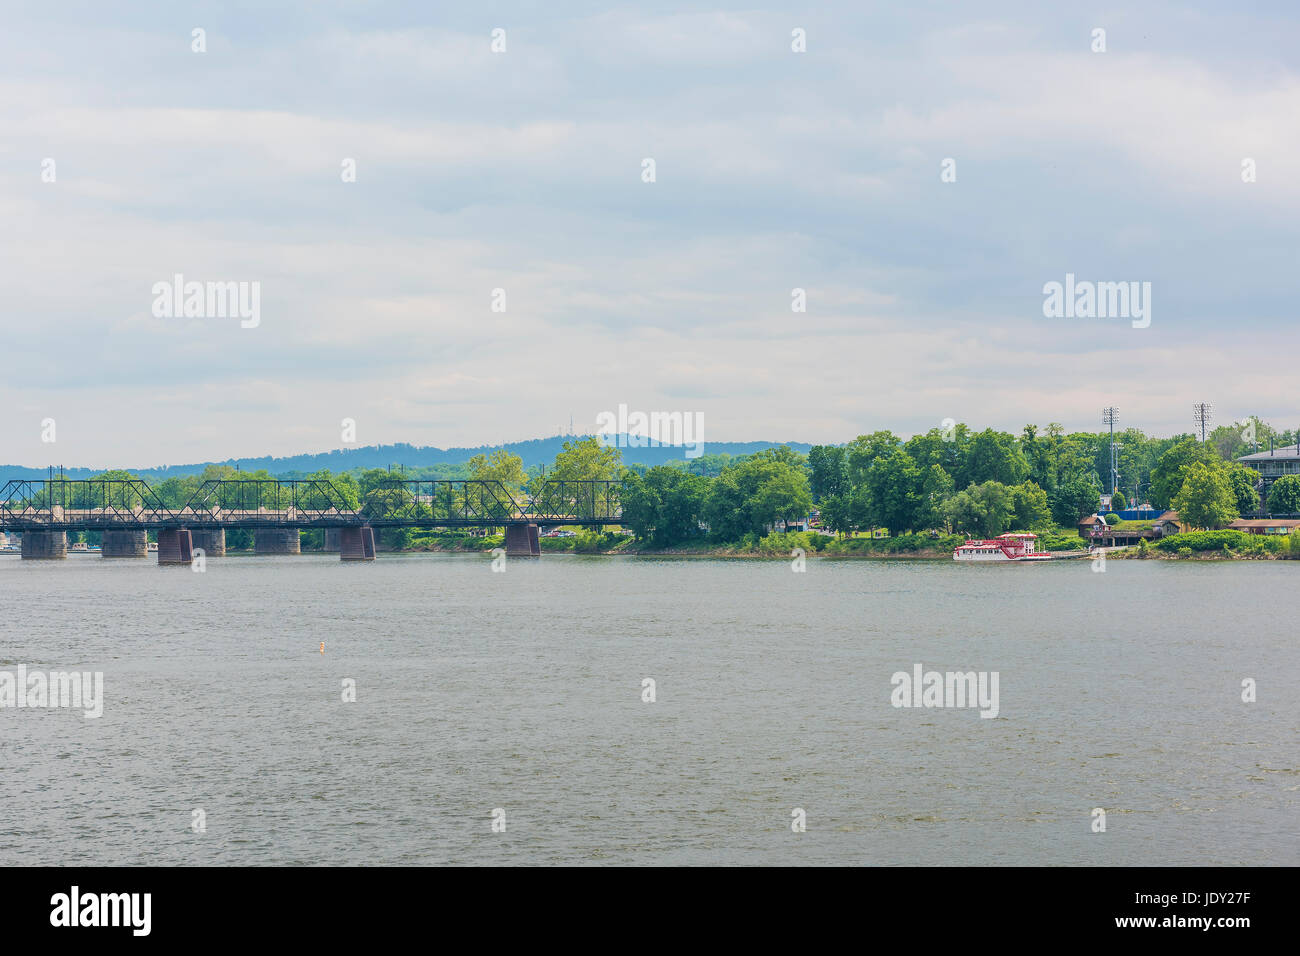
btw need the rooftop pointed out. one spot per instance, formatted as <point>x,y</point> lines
<point>1290,451</point>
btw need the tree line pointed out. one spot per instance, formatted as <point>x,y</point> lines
<point>949,479</point>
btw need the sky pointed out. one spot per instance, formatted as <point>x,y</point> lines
<point>523,170</point>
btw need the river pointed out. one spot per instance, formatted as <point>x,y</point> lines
<point>523,691</point>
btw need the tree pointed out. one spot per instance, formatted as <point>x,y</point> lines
<point>862,509</point>
<point>826,464</point>
<point>724,506</point>
<point>1030,508</point>
<point>946,447</point>
<point>382,494</point>
<point>1284,496</point>
<point>1075,454</point>
<point>1038,453</point>
<point>985,509</point>
<point>1205,499</point>
<point>500,466</point>
<point>122,491</point>
<point>683,504</point>
<point>1077,497</point>
<point>580,460</point>
<point>895,487</point>
<point>993,456</point>
<point>865,449</point>
<point>1167,477</point>
<point>663,506</point>
<point>767,487</point>
<point>1227,440</point>
<point>586,459</point>
<point>1242,480</point>
<point>937,487</point>
<point>1118,502</point>
<point>836,515</point>
<point>781,497</point>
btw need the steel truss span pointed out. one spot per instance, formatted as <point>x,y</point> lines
<point>98,504</point>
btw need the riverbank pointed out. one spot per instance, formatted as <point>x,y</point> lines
<point>779,545</point>
<point>1224,545</point>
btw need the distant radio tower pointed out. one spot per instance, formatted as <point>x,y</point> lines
<point>1201,413</point>
<point>1110,416</point>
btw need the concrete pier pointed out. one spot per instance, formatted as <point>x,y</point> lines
<point>125,544</point>
<point>522,541</point>
<point>356,544</point>
<point>331,540</point>
<point>45,545</point>
<point>175,546</point>
<point>277,541</point>
<point>211,540</point>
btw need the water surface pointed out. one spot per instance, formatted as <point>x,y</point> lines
<point>522,691</point>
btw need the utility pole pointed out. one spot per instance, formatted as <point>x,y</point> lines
<point>1110,416</point>
<point>1201,415</point>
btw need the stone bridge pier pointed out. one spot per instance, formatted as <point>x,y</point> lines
<point>277,541</point>
<point>175,546</point>
<point>356,544</point>
<point>522,541</point>
<point>45,545</point>
<point>125,544</point>
<point>211,540</point>
<point>331,540</point>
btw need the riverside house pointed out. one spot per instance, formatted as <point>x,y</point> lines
<point>1095,531</point>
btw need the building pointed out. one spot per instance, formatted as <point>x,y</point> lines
<point>1273,464</point>
<point>1265,525</point>
<point>1091,524</point>
<point>1095,531</point>
<point>1167,524</point>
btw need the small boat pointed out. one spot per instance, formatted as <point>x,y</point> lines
<point>79,546</point>
<point>1014,546</point>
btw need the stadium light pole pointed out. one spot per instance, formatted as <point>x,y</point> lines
<point>1110,416</point>
<point>1201,412</point>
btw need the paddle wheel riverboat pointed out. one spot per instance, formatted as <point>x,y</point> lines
<point>1015,546</point>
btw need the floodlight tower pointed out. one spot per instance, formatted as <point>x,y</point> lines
<point>1110,416</point>
<point>1201,414</point>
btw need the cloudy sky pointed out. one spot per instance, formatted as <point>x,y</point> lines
<point>522,170</point>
